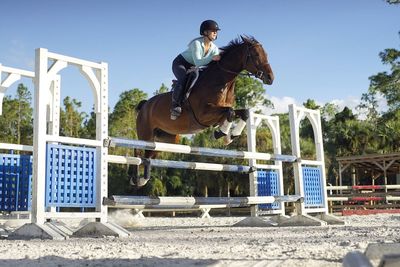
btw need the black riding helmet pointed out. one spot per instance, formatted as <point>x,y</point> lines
<point>208,25</point>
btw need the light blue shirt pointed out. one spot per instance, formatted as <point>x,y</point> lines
<point>195,55</point>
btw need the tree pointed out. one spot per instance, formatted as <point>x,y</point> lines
<point>122,121</point>
<point>250,93</point>
<point>71,118</point>
<point>163,89</point>
<point>16,124</point>
<point>385,83</point>
<point>393,1</point>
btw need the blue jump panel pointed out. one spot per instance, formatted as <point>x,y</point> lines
<point>313,187</point>
<point>70,176</point>
<point>15,182</point>
<point>268,185</point>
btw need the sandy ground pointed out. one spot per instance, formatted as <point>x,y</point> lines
<point>206,242</point>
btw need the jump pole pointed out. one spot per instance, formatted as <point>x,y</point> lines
<point>201,151</point>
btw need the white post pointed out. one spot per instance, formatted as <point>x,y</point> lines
<point>102,134</point>
<point>294,119</point>
<point>319,147</point>
<point>276,141</point>
<point>39,137</point>
<point>54,107</point>
<point>251,146</point>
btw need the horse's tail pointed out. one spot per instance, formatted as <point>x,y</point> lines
<point>139,106</point>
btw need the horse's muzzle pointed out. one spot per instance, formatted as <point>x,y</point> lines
<point>268,79</point>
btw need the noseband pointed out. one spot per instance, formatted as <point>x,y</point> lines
<point>259,74</point>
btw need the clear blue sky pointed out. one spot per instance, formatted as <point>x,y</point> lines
<point>324,50</point>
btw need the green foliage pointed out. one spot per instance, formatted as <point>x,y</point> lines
<point>71,119</point>
<point>122,121</point>
<point>163,89</point>
<point>386,84</point>
<point>16,124</point>
<point>157,188</point>
<point>250,93</point>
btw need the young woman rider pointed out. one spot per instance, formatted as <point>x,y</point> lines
<point>200,52</point>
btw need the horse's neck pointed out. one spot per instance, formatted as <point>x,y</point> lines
<point>217,84</point>
<point>228,68</point>
<point>234,60</point>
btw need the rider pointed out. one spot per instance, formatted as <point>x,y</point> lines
<point>200,52</point>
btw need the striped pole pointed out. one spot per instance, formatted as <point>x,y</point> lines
<point>145,201</point>
<point>202,151</point>
<point>181,164</point>
<point>199,166</point>
<point>363,187</point>
<point>366,198</point>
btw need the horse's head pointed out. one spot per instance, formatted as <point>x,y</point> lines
<point>256,61</point>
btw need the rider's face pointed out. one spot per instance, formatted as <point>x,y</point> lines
<point>212,35</point>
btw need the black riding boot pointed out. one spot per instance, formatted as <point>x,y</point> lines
<point>176,109</point>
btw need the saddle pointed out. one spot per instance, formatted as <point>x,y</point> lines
<point>192,75</point>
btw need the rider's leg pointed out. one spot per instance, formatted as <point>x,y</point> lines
<point>177,93</point>
<point>179,68</point>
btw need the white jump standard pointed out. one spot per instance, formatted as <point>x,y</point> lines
<point>47,67</point>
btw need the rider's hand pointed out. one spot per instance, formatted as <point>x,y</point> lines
<point>216,58</point>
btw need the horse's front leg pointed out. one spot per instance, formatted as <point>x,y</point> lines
<point>243,115</point>
<point>225,127</point>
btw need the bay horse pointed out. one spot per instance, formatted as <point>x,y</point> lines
<point>209,103</point>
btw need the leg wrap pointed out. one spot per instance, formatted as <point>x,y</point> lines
<point>225,127</point>
<point>239,128</point>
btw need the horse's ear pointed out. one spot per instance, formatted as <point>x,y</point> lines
<point>244,38</point>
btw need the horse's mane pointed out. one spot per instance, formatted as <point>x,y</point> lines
<point>238,42</point>
<point>232,45</point>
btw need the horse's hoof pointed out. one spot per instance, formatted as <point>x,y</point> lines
<point>227,140</point>
<point>234,136</point>
<point>140,182</point>
<point>218,134</point>
<point>252,169</point>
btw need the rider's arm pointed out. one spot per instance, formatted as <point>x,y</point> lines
<point>198,51</point>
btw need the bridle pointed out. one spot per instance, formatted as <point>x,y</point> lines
<point>259,74</point>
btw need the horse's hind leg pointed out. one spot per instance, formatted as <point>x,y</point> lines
<point>145,133</point>
<point>135,170</point>
<point>165,137</point>
<point>150,154</point>
<point>146,161</point>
